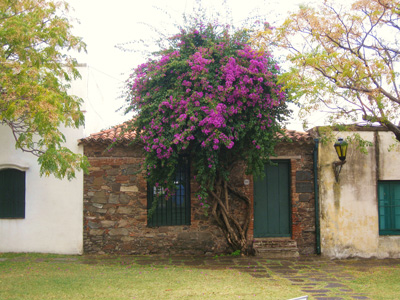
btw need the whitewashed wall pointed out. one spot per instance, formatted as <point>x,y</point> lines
<point>349,208</point>
<point>53,220</point>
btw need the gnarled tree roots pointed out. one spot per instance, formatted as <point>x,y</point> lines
<point>227,203</point>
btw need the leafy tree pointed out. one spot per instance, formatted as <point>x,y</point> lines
<point>346,59</point>
<point>212,97</point>
<point>34,72</point>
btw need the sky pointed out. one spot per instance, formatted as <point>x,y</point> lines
<point>104,24</point>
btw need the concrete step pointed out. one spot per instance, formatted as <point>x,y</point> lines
<point>276,247</point>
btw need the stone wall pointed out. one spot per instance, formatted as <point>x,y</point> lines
<point>115,211</point>
<point>302,193</point>
<point>115,206</point>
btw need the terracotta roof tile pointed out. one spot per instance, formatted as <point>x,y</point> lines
<point>114,134</point>
<point>109,136</point>
<point>298,136</point>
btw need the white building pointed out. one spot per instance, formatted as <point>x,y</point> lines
<point>48,217</point>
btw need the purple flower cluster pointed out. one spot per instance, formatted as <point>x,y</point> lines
<point>209,94</point>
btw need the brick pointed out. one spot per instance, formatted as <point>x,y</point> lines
<point>304,187</point>
<point>304,197</point>
<point>303,176</point>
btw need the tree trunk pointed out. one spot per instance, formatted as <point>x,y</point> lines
<point>226,201</point>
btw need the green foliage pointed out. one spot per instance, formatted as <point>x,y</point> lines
<point>234,253</point>
<point>395,146</point>
<point>210,96</point>
<point>34,76</point>
<point>329,134</point>
<point>344,60</point>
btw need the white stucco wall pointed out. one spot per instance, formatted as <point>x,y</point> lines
<point>53,207</point>
<point>53,220</point>
<point>349,208</point>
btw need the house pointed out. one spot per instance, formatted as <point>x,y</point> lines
<point>360,213</point>
<point>117,199</point>
<point>46,213</point>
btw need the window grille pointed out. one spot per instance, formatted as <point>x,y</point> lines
<point>176,209</point>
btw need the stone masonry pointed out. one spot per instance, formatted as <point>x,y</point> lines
<point>115,206</point>
<point>302,194</point>
<point>115,211</point>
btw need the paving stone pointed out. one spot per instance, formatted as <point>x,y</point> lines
<point>319,279</point>
<point>315,291</point>
<point>334,285</point>
<point>296,279</point>
<point>274,267</point>
<point>285,271</point>
<point>300,267</point>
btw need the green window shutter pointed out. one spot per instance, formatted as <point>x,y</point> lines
<point>176,210</point>
<point>389,207</point>
<point>12,193</point>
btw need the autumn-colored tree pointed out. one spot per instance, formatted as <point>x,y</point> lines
<point>213,98</point>
<point>34,76</point>
<point>345,59</point>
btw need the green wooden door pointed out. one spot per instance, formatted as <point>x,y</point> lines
<point>272,201</point>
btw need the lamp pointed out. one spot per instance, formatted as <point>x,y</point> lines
<point>341,150</point>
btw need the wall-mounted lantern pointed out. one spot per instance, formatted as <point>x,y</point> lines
<point>341,150</point>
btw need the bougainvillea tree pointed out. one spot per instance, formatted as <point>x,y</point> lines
<point>214,98</point>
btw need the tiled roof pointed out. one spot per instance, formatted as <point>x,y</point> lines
<point>109,136</point>
<point>298,136</point>
<point>114,134</point>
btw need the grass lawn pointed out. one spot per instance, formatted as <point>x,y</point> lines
<point>378,283</point>
<point>43,276</point>
<point>35,276</point>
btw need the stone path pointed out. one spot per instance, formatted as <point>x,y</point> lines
<point>318,277</point>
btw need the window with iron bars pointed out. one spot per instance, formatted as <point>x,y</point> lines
<point>174,210</point>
